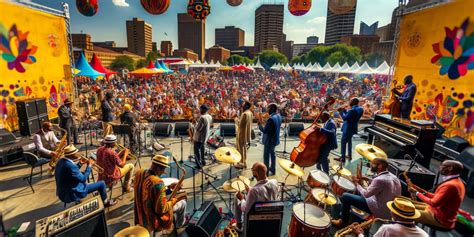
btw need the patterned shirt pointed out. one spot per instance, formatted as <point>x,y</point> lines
<point>150,202</point>
<point>108,159</point>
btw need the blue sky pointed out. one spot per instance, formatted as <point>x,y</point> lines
<point>109,22</point>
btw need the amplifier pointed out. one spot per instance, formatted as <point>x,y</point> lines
<point>268,206</point>
<point>294,129</point>
<point>85,219</point>
<point>6,137</point>
<point>204,221</point>
<point>265,219</point>
<point>181,128</point>
<point>419,175</point>
<point>227,130</point>
<point>456,143</point>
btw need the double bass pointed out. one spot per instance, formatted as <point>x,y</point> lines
<point>307,152</point>
<point>392,106</point>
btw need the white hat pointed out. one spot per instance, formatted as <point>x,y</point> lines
<point>110,139</point>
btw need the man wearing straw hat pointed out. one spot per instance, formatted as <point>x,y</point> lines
<point>71,183</point>
<point>152,208</point>
<point>404,214</point>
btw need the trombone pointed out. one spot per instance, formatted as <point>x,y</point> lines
<point>122,148</point>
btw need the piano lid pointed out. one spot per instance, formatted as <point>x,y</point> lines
<point>409,125</point>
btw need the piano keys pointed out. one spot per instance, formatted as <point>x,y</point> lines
<point>398,137</point>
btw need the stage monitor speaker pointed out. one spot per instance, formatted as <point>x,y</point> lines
<point>419,175</point>
<point>26,109</point>
<point>162,129</point>
<point>456,143</point>
<point>29,127</point>
<point>42,118</point>
<point>6,137</point>
<point>227,130</point>
<point>181,128</point>
<point>204,221</point>
<point>294,129</point>
<point>41,106</point>
<point>265,222</point>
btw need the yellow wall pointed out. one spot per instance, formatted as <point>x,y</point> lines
<point>47,75</point>
<point>446,97</point>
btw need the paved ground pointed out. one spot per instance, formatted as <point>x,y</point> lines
<point>19,204</point>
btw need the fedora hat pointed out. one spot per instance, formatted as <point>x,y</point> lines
<point>110,139</point>
<point>70,150</point>
<point>160,160</point>
<point>404,208</point>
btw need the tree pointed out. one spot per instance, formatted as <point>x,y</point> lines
<point>296,59</point>
<point>236,59</point>
<point>342,54</point>
<point>374,59</point>
<point>141,63</point>
<point>152,56</point>
<point>270,57</point>
<point>122,62</point>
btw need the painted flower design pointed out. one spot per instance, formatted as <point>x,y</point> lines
<point>455,54</point>
<point>15,48</point>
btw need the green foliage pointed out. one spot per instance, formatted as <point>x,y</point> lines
<point>122,62</point>
<point>270,57</point>
<point>141,63</point>
<point>152,56</point>
<point>375,59</point>
<point>236,59</point>
<point>296,59</point>
<point>338,53</point>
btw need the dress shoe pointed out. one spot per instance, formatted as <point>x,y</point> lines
<point>339,223</point>
<point>110,203</point>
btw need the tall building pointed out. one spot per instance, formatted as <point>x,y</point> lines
<point>191,34</point>
<point>166,48</point>
<point>82,41</point>
<point>154,46</point>
<point>269,27</point>
<point>299,49</point>
<point>384,32</point>
<point>217,53</point>
<point>139,36</point>
<point>187,54</point>
<point>368,30</point>
<point>312,40</point>
<point>230,37</point>
<point>338,25</point>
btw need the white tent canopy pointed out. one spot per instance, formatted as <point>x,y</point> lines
<point>383,69</point>
<point>344,68</point>
<point>336,68</point>
<point>365,69</point>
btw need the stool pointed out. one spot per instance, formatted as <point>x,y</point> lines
<point>433,229</point>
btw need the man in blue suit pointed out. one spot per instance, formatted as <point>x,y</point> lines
<point>329,129</point>
<point>71,182</point>
<point>350,126</point>
<point>271,137</point>
<point>406,97</point>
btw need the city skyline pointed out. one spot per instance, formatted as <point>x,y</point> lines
<point>109,23</point>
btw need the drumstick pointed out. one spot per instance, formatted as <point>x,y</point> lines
<point>246,186</point>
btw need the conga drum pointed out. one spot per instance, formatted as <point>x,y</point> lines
<point>341,185</point>
<point>318,179</point>
<point>308,220</point>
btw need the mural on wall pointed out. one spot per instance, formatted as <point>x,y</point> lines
<point>29,41</point>
<point>439,53</point>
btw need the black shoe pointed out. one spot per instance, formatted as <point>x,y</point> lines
<point>203,162</point>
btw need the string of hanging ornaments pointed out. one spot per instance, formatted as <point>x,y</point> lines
<point>341,6</point>
<point>234,3</point>
<point>299,7</point>
<point>87,7</point>
<point>199,9</point>
<point>155,7</point>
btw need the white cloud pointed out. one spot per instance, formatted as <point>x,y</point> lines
<point>120,3</point>
<point>317,20</point>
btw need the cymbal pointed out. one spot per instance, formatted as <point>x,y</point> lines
<point>320,195</point>
<point>290,167</point>
<point>228,155</point>
<point>370,152</point>
<point>135,231</point>
<point>341,171</point>
<point>239,183</point>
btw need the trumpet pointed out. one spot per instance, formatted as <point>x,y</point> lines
<point>122,148</point>
<point>95,166</point>
<point>364,225</point>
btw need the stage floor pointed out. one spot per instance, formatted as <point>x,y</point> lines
<point>19,204</point>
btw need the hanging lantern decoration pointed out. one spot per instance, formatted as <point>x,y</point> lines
<point>234,3</point>
<point>341,6</point>
<point>87,7</point>
<point>155,7</point>
<point>199,9</point>
<point>299,7</point>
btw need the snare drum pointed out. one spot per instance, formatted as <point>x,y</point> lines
<point>341,185</point>
<point>321,197</point>
<point>318,179</point>
<point>308,220</point>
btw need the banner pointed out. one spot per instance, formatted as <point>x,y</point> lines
<point>436,47</point>
<point>34,60</point>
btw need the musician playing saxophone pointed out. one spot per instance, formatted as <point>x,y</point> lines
<point>403,214</point>
<point>45,141</point>
<point>151,203</point>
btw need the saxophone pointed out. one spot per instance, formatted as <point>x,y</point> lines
<point>364,225</point>
<point>59,150</point>
<point>409,183</point>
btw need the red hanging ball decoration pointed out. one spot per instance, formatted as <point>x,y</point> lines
<point>341,6</point>
<point>199,9</point>
<point>234,3</point>
<point>299,7</point>
<point>155,7</point>
<point>87,7</point>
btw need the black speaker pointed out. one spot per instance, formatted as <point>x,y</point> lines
<point>6,137</point>
<point>419,175</point>
<point>265,222</point>
<point>41,106</point>
<point>26,109</point>
<point>42,118</point>
<point>181,128</point>
<point>456,143</point>
<point>204,221</point>
<point>227,130</point>
<point>29,127</point>
<point>294,129</point>
<point>162,129</point>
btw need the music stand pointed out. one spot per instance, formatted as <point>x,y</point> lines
<point>122,130</point>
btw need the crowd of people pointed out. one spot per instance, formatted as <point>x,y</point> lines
<point>177,96</point>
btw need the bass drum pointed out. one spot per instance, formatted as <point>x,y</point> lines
<point>308,220</point>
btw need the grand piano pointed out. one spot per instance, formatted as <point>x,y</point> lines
<point>398,137</point>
